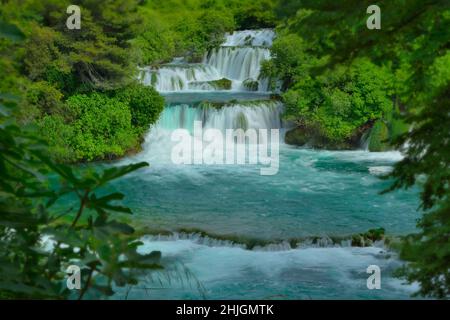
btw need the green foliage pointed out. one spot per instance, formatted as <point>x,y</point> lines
<point>290,61</point>
<point>202,33</point>
<point>10,31</point>
<point>96,55</point>
<point>103,248</point>
<point>256,14</point>
<point>368,238</point>
<point>379,136</point>
<point>157,44</point>
<point>428,253</point>
<point>58,134</point>
<point>221,84</point>
<point>334,107</point>
<point>100,128</point>
<point>191,27</point>
<point>339,102</point>
<point>413,44</point>
<point>99,125</point>
<point>145,104</point>
<point>397,127</point>
<point>251,85</point>
<point>46,98</point>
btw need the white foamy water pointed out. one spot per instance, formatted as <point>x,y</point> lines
<point>380,170</point>
<point>250,115</point>
<point>237,63</point>
<point>238,60</point>
<point>230,272</point>
<point>263,37</point>
<point>316,193</point>
<point>180,77</point>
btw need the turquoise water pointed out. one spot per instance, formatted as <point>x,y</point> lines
<point>314,194</point>
<point>211,271</point>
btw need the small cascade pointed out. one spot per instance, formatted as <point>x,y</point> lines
<point>238,61</point>
<point>235,67</point>
<point>245,115</point>
<point>180,77</point>
<point>239,64</point>
<point>254,38</point>
<point>365,140</point>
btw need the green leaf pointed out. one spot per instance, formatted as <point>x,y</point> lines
<point>114,173</point>
<point>113,227</point>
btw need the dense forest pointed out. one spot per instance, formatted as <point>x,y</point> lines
<point>72,96</point>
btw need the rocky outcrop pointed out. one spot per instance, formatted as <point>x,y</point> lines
<point>251,85</point>
<point>304,136</point>
<point>221,84</point>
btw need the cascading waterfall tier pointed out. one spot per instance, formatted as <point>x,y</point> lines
<point>243,115</point>
<point>237,61</point>
<point>239,64</point>
<point>263,114</point>
<point>236,64</point>
<point>255,38</point>
<point>180,77</point>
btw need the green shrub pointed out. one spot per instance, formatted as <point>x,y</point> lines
<point>156,44</point>
<point>100,129</point>
<point>59,135</point>
<point>145,104</point>
<point>341,101</point>
<point>251,85</point>
<point>47,98</point>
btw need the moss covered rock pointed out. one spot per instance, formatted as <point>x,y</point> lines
<point>297,137</point>
<point>221,84</point>
<point>301,136</point>
<point>379,137</point>
<point>251,85</point>
<point>368,238</point>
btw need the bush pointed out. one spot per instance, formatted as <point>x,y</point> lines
<point>45,97</point>
<point>145,104</point>
<point>59,136</point>
<point>341,101</point>
<point>156,44</point>
<point>101,129</point>
<point>256,14</point>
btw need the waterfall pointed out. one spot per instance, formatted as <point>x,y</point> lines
<point>255,38</point>
<point>238,60</point>
<point>254,114</point>
<point>244,115</point>
<point>235,67</point>
<point>180,77</point>
<point>238,63</point>
<point>365,139</point>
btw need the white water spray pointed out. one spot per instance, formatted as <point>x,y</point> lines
<point>238,60</point>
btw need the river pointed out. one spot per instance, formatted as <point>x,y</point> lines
<point>316,194</point>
